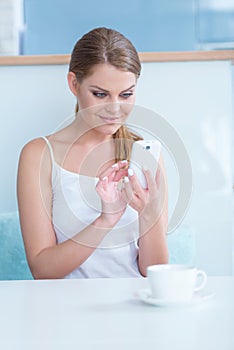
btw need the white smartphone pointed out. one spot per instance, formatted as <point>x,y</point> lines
<point>145,153</point>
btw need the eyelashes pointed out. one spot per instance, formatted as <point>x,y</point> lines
<point>125,95</point>
<point>99,94</point>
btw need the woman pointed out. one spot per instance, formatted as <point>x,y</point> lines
<point>83,212</point>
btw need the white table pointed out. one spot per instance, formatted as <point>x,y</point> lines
<point>105,314</point>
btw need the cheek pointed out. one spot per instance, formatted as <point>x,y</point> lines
<point>89,101</point>
<point>128,106</point>
<point>84,101</point>
<point>90,109</point>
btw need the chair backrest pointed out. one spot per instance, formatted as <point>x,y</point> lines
<point>13,263</point>
<point>182,245</point>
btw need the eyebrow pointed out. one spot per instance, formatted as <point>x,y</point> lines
<point>99,88</point>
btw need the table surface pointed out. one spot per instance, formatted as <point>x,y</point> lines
<point>107,314</point>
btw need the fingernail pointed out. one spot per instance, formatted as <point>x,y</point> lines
<point>124,161</point>
<point>130,172</point>
<point>144,167</point>
<point>104,178</point>
<point>126,179</point>
<point>115,165</point>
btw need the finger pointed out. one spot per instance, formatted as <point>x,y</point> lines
<point>127,190</point>
<point>102,184</point>
<point>161,182</point>
<point>111,177</point>
<point>130,197</point>
<point>136,186</point>
<point>114,168</point>
<point>121,164</point>
<point>149,178</point>
<point>158,177</point>
<point>120,174</point>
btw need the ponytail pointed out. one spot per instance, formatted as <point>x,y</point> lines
<point>124,139</point>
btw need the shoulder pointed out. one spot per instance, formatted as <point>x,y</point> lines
<point>34,164</point>
<point>33,151</point>
<point>36,145</point>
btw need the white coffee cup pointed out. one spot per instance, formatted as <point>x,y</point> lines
<point>175,282</point>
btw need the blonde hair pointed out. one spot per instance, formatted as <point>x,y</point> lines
<point>103,45</point>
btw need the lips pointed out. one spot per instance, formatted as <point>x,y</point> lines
<point>110,120</point>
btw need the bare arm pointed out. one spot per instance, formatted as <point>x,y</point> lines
<point>46,258</point>
<point>152,206</point>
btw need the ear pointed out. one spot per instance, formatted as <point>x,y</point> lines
<point>73,83</point>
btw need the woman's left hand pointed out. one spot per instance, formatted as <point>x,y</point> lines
<point>148,202</point>
<point>151,205</point>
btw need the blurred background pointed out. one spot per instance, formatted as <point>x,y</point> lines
<point>32,27</point>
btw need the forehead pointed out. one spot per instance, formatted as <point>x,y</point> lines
<point>110,78</point>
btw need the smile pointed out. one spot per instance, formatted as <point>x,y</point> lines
<point>109,120</point>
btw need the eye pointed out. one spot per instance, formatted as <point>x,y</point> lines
<point>126,94</point>
<point>99,94</point>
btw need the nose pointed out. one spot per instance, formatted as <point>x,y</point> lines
<point>113,107</point>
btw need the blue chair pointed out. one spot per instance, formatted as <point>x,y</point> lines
<point>13,263</point>
<point>182,246</point>
<point>14,266</point>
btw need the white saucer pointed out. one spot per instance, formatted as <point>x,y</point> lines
<point>145,296</point>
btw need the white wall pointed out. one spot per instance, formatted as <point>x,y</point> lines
<point>195,97</point>
<point>34,101</point>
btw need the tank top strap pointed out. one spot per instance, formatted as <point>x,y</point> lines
<point>54,167</point>
<point>50,149</point>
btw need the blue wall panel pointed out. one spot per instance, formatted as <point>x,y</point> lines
<point>216,21</point>
<point>53,26</point>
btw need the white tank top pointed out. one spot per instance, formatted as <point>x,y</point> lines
<point>75,205</point>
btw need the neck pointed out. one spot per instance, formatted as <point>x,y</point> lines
<point>86,136</point>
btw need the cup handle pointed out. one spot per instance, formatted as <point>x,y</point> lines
<point>203,281</point>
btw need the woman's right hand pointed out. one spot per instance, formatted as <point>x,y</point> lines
<point>109,188</point>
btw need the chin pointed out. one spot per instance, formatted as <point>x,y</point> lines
<point>108,129</point>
